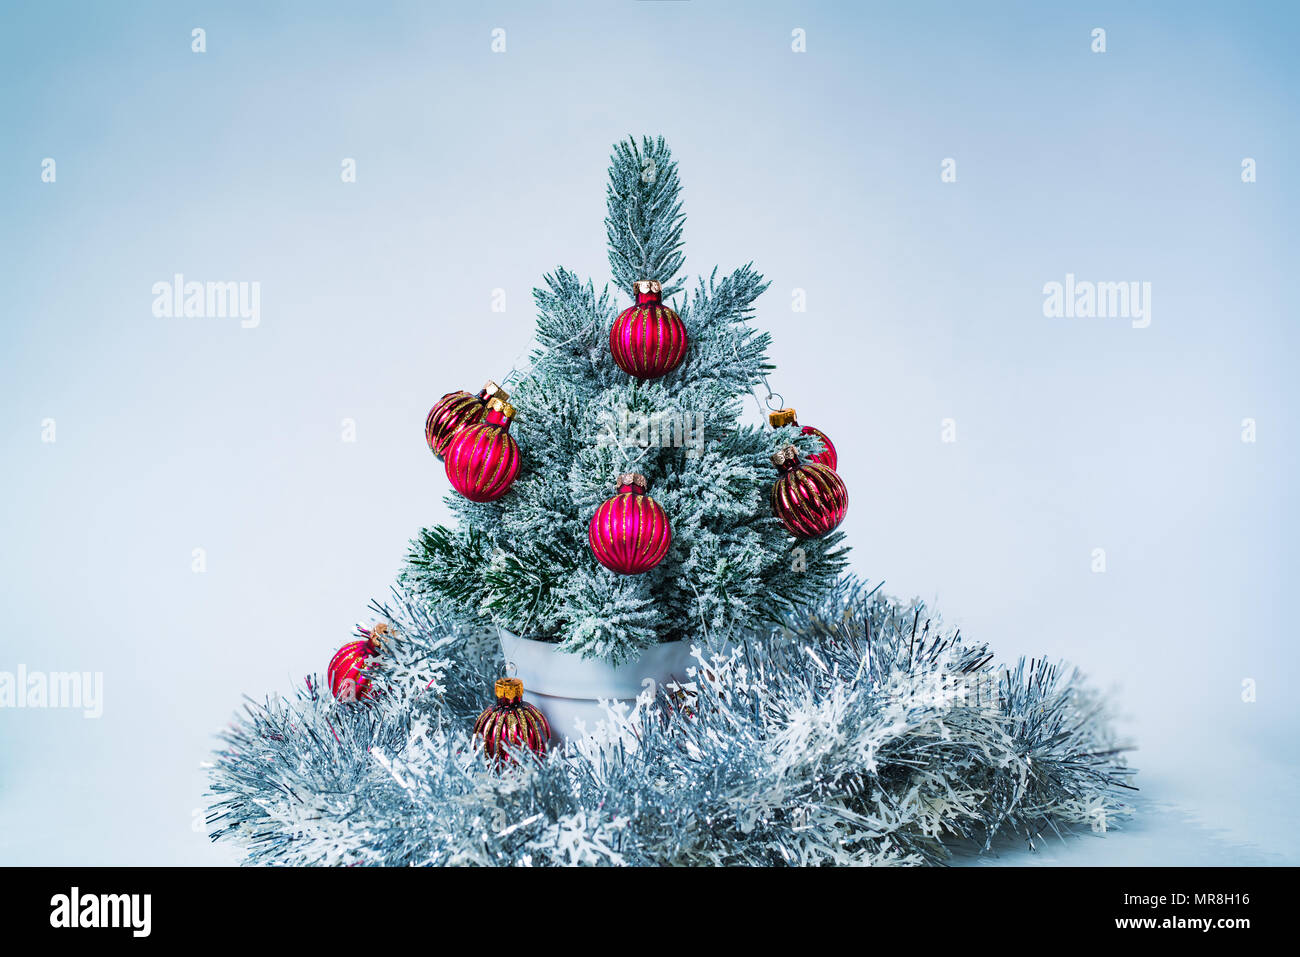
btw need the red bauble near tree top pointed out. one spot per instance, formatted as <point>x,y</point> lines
<point>826,457</point>
<point>810,499</point>
<point>454,411</point>
<point>483,460</point>
<point>629,533</point>
<point>512,725</point>
<point>648,340</point>
<point>346,673</point>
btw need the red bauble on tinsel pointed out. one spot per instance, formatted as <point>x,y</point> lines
<point>629,533</point>
<point>483,460</point>
<point>454,411</point>
<point>826,457</point>
<point>810,499</point>
<point>648,339</point>
<point>512,724</point>
<point>346,669</point>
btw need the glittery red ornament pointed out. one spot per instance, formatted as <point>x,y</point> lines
<point>648,339</point>
<point>454,411</point>
<point>512,724</point>
<point>809,498</point>
<point>483,460</point>
<point>826,457</point>
<point>629,533</point>
<point>346,670</point>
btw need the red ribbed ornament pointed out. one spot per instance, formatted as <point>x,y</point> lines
<point>629,533</point>
<point>512,724</point>
<point>346,670</point>
<point>826,457</point>
<point>648,339</point>
<point>483,460</point>
<point>809,498</point>
<point>454,411</point>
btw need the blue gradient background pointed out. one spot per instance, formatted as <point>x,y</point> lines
<point>479,171</point>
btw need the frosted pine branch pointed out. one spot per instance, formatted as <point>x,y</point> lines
<point>644,215</point>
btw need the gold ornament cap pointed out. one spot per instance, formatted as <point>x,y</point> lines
<point>494,391</point>
<point>781,417</point>
<point>378,634</point>
<point>502,406</point>
<point>644,287</point>
<point>786,456</point>
<point>634,478</point>
<point>509,689</point>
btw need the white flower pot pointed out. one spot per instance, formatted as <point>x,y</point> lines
<point>569,688</point>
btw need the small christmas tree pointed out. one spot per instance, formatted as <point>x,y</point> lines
<point>523,561</point>
<point>849,729</point>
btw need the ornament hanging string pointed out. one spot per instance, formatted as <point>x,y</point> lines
<point>769,397</point>
<point>510,379</point>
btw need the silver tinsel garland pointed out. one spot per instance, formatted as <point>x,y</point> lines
<point>861,733</point>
